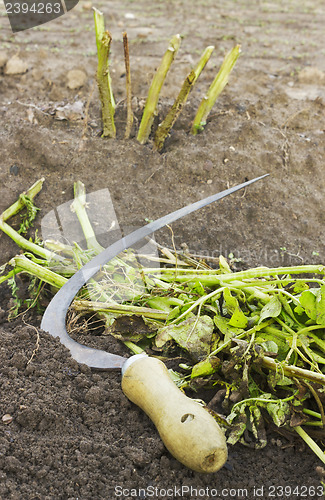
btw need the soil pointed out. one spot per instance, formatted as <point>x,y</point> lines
<point>74,435</point>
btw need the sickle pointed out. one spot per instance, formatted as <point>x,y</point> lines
<point>189,432</point>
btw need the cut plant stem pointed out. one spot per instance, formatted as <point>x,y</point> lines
<point>155,88</point>
<point>129,113</point>
<point>213,277</point>
<point>100,29</point>
<point>215,90</point>
<point>19,204</point>
<point>11,274</point>
<point>21,263</point>
<point>133,347</point>
<point>87,305</point>
<point>293,371</point>
<point>103,42</point>
<point>189,82</point>
<point>26,244</point>
<point>14,235</point>
<point>79,207</point>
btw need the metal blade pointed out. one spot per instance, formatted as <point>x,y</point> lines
<point>54,318</point>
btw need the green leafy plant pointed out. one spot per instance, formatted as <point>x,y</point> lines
<point>256,336</point>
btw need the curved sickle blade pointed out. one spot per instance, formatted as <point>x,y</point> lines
<point>54,318</point>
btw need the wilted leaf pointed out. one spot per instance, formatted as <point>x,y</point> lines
<point>277,378</point>
<point>279,412</point>
<point>320,306</point>
<point>257,427</point>
<point>283,347</point>
<point>308,303</point>
<point>194,335</point>
<point>238,428</point>
<point>271,310</point>
<point>270,346</point>
<point>224,327</point>
<point>162,337</point>
<point>238,318</point>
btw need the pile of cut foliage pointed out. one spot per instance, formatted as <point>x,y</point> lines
<point>256,337</point>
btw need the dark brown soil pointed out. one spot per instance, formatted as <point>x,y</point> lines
<point>73,433</point>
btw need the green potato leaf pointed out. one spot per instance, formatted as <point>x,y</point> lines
<point>271,310</point>
<point>238,318</point>
<point>194,335</point>
<point>227,330</point>
<point>308,303</point>
<point>320,306</point>
<point>224,266</point>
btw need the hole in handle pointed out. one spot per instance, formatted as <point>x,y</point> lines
<point>187,417</point>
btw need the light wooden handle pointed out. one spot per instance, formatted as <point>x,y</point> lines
<point>188,431</point>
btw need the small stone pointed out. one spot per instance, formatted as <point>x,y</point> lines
<point>129,15</point>
<point>3,58</point>
<point>7,419</point>
<point>14,169</point>
<point>87,5</point>
<point>76,79</point>
<point>71,112</point>
<point>16,66</point>
<point>209,181</point>
<point>320,471</point>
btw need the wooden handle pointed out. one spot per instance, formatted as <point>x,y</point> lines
<point>188,431</point>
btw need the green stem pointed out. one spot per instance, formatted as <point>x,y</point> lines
<point>312,413</point>
<point>263,400</point>
<point>215,90</point>
<point>293,371</point>
<point>103,42</point>
<point>11,274</point>
<point>99,30</point>
<point>133,347</point>
<point>60,248</point>
<point>167,124</point>
<point>84,305</point>
<point>214,278</point>
<point>311,443</point>
<point>155,88</point>
<point>19,204</point>
<point>244,334</point>
<point>79,207</point>
<point>99,26</point>
<point>23,264</point>
<point>26,244</point>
